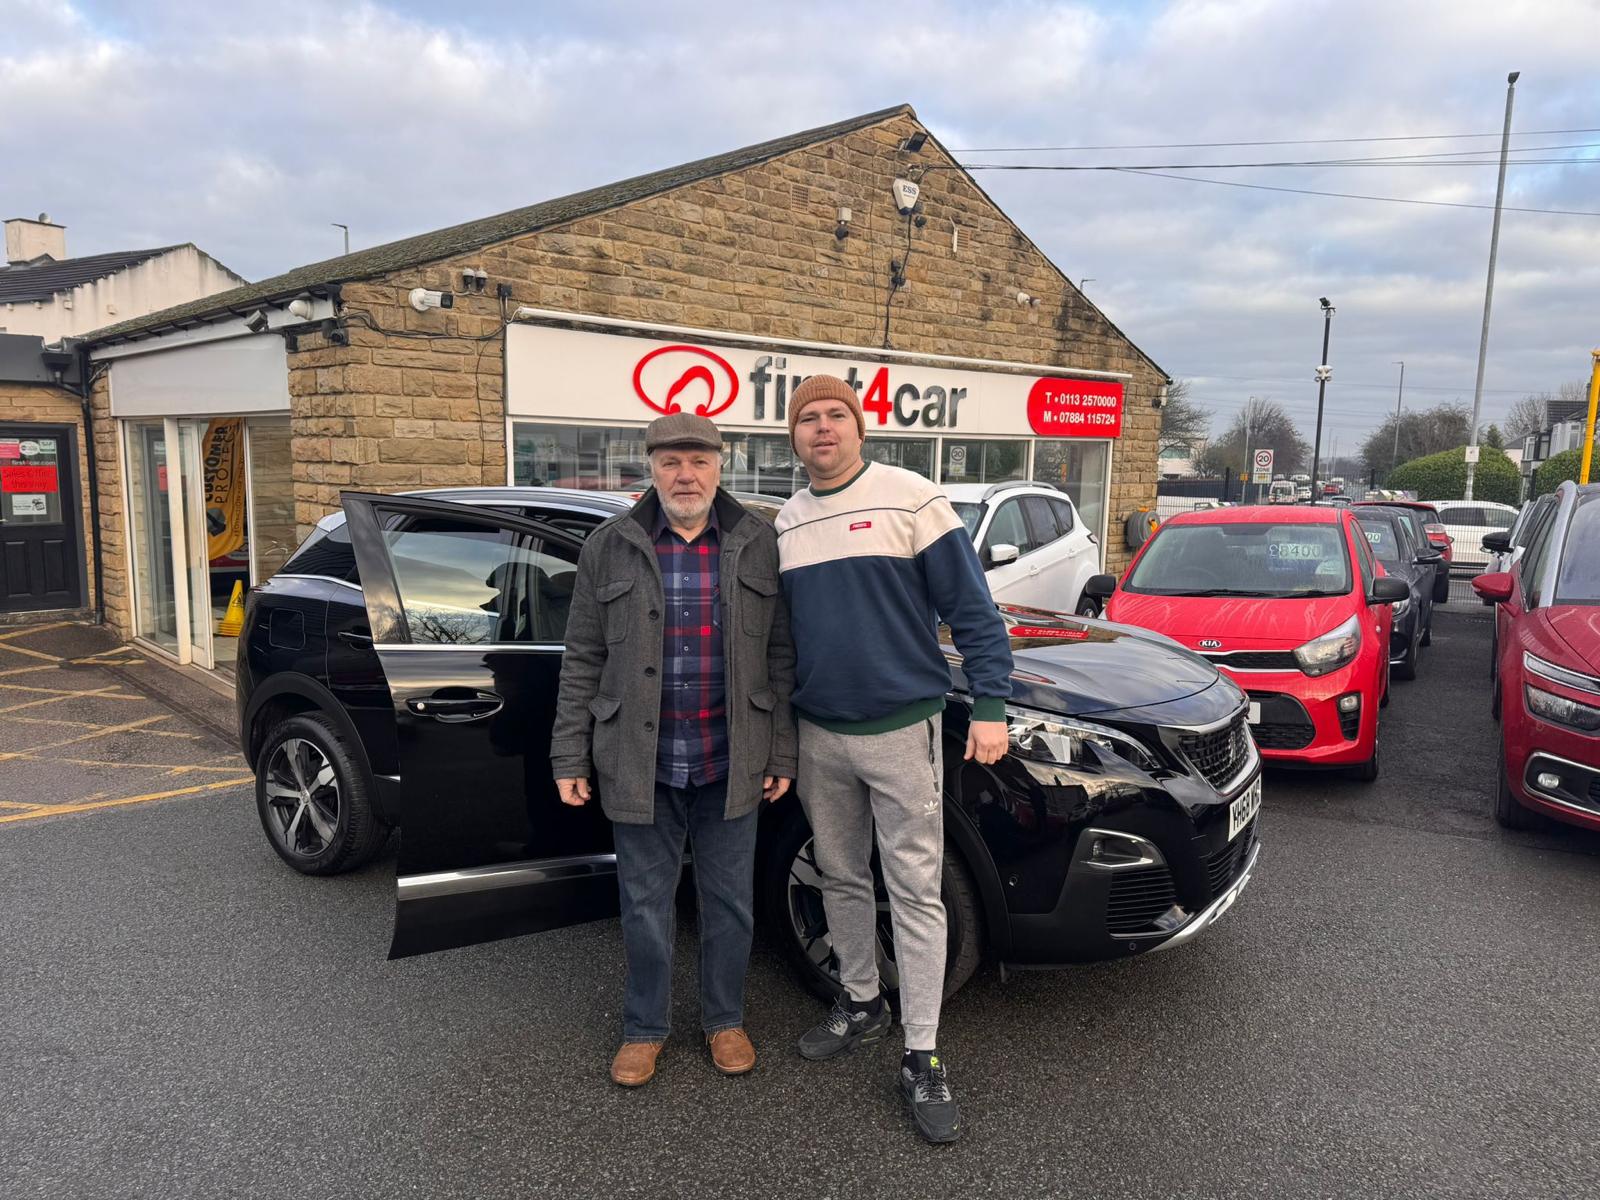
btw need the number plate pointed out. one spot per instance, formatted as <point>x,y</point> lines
<point>1253,717</point>
<point>1243,810</point>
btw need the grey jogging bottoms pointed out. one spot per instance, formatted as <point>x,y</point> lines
<point>848,783</point>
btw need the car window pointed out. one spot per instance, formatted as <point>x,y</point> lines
<point>1065,517</point>
<point>1041,520</point>
<point>1463,514</point>
<point>1272,559</point>
<point>1008,528</point>
<point>1524,529</point>
<point>1369,570</point>
<point>1578,581</point>
<point>1532,562</point>
<point>464,583</point>
<point>327,553</point>
<point>1383,538</point>
<point>1498,518</point>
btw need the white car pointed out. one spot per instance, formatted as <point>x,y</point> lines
<point>1467,522</point>
<point>1034,546</point>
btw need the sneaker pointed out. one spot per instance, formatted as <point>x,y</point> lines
<point>927,1089</point>
<point>846,1028</point>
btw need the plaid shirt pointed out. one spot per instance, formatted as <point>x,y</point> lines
<point>693,745</point>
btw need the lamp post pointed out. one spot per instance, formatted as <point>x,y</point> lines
<point>346,228</point>
<point>1324,373</point>
<point>1394,457</point>
<point>1249,468</point>
<point>1488,290</point>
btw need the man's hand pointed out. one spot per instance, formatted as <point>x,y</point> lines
<point>773,787</point>
<point>987,741</point>
<point>573,791</point>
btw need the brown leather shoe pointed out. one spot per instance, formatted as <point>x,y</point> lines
<point>635,1063</point>
<point>731,1051</point>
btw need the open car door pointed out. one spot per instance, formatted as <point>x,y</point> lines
<point>468,612</point>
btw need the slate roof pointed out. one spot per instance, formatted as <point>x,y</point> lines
<point>1559,412</point>
<point>42,278</point>
<point>460,239</point>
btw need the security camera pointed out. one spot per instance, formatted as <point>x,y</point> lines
<point>905,196</point>
<point>422,299</point>
<point>256,321</point>
<point>1324,374</point>
<point>300,308</point>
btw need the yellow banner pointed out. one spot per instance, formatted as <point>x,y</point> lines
<point>223,453</point>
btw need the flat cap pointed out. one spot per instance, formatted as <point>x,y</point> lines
<point>682,429</point>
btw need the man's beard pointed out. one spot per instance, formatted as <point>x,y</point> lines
<point>686,512</point>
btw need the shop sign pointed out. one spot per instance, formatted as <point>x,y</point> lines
<point>28,479</point>
<point>566,373</point>
<point>30,506</point>
<point>11,450</point>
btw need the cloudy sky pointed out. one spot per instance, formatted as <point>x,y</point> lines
<point>248,129</point>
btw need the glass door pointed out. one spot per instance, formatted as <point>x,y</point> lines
<point>192,539</point>
<point>150,533</point>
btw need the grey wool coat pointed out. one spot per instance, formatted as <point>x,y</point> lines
<point>609,711</point>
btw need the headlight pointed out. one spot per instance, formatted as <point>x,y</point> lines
<point>1045,737</point>
<point>1334,649</point>
<point>1563,711</point>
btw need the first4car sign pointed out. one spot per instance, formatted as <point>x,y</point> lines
<point>559,372</point>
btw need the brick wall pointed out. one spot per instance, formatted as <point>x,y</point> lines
<point>751,252</point>
<point>41,402</point>
<point>113,527</point>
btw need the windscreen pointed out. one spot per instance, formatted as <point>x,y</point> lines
<point>1257,559</point>
<point>1384,538</point>
<point>1579,580</point>
<point>971,516</point>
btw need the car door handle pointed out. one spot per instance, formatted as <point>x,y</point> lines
<point>453,710</point>
<point>355,637</point>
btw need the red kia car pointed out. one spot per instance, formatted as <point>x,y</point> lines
<point>1547,675</point>
<point>1289,604</point>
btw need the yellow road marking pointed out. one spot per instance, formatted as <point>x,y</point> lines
<point>169,768</point>
<point>59,810</point>
<point>14,804</point>
<point>26,670</point>
<point>97,661</point>
<point>51,658</point>
<point>44,691</point>
<point>84,737</point>
<point>171,733</point>
<point>16,633</point>
<point>108,692</point>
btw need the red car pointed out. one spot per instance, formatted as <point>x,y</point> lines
<point>1289,603</point>
<point>1427,519</point>
<point>1547,673</point>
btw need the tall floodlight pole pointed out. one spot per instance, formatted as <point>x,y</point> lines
<point>1488,291</point>
<point>1324,371</point>
<point>1394,457</point>
<point>1249,468</point>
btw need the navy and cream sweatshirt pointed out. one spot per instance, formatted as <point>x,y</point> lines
<point>869,569</point>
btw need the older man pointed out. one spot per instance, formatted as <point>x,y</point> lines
<point>675,692</point>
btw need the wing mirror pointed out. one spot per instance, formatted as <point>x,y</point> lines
<point>1498,542</point>
<point>1004,553</point>
<point>1427,559</point>
<point>1100,586</point>
<point>1388,590</point>
<point>1494,587</point>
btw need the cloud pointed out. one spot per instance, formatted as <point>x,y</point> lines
<point>249,135</point>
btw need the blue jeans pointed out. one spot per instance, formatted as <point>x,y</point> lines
<point>649,862</point>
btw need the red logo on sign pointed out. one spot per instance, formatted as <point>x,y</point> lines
<point>861,525</point>
<point>1086,408</point>
<point>675,369</point>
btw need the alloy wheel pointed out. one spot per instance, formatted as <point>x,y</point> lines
<point>809,921</point>
<point>303,797</point>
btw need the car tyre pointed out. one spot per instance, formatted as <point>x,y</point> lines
<point>1509,812</point>
<point>1427,633</point>
<point>1088,606</point>
<point>1406,668</point>
<point>1366,772</point>
<point>1441,588</point>
<point>314,797</point>
<point>793,904</point>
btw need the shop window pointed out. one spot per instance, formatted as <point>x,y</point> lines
<point>1079,469</point>
<point>572,456</point>
<point>974,460</point>
<point>913,454</point>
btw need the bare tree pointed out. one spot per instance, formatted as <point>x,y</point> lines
<point>1183,423</point>
<point>1528,415</point>
<point>1271,428</point>
<point>1425,431</point>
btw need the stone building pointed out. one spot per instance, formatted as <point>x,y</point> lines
<point>535,345</point>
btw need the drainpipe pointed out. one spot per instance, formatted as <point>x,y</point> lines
<point>85,391</point>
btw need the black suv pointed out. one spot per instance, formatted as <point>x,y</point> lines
<point>401,670</point>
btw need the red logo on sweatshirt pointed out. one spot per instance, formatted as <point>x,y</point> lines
<point>861,525</point>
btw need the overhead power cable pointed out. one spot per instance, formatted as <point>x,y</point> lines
<point>1408,137</point>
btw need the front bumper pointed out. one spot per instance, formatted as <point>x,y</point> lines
<point>1575,799</point>
<point>1301,723</point>
<point>1203,920</point>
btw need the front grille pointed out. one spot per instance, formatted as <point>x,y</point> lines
<point>1350,724</point>
<point>1219,755</point>
<point>1138,897</point>
<point>1223,866</point>
<point>1284,724</point>
<point>1257,660</point>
